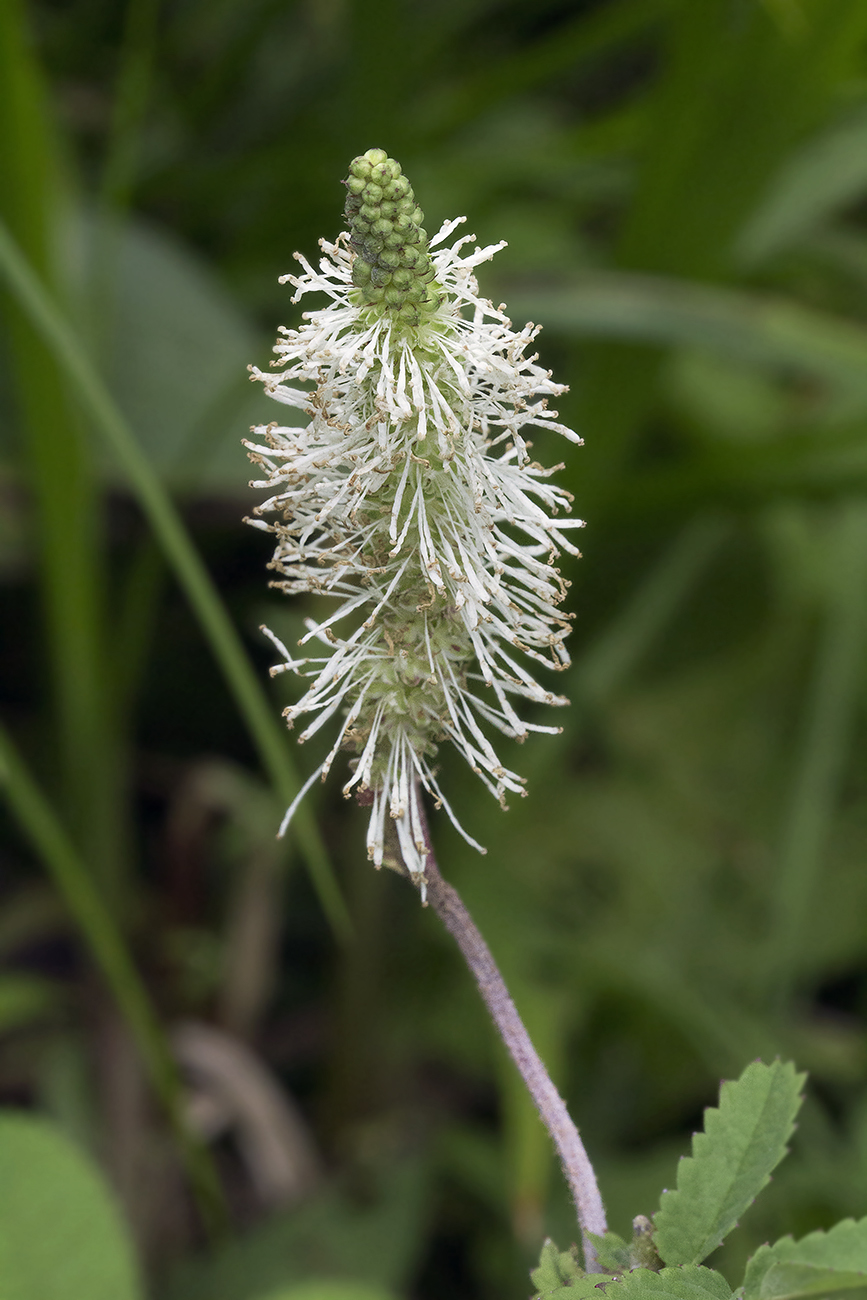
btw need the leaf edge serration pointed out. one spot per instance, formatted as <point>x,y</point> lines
<point>677,1238</point>
<point>828,1258</point>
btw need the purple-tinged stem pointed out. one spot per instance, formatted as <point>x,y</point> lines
<point>447,903</point>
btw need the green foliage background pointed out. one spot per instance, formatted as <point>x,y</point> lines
<point>682,186</point>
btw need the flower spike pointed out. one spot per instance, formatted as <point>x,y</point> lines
<point>409,498</point>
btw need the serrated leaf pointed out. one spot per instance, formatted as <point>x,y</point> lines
<point>612,1252</point>
<point>821,1263</point>
<point>691,1282</point>
<point>557,1269</point>
<point>546,1276</point>
<point>587,1286</point>
<point>731,1161</point>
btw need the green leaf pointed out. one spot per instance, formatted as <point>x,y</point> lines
<point>612,1252</point>
<point>731,1161</point>
<point>821,1263</point>
<point>557,1268</point>
<point>60,1233</point>
<point>587,1286</point>
<point>687,1283</point>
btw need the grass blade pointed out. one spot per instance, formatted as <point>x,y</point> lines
<point>184,560</point>
<point>769,332</point>
<point>830,715</point>
<point>62,480</point>
<point>74,882</point>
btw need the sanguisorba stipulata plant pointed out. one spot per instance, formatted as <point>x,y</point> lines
<point>409,496</point>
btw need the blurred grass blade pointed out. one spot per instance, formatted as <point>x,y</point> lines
<point>828,724</point>
<point>773,333</point>
<point>587,37</point>
<point>74,883</point>
<point>130,101</point>
<point>187,565</point>
<point>613,656</point>
<point>828,173</point>
<point>719,1031</point>
<point>119,169</point>
<point>61,477</point>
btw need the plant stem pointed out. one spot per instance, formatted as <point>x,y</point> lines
<point>449,907</point>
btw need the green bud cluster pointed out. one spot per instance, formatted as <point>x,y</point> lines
<point>392,267</point>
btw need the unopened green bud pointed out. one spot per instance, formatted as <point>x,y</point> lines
<point>392,267</point>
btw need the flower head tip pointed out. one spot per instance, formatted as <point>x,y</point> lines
<point>392,266</point>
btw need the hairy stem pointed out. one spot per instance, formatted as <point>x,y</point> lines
<point>447,903</point>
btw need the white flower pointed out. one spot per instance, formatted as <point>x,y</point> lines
<point>408,496</point>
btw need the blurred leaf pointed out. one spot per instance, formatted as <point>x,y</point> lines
<point>106,942</point>
<point>730,399</point>
<point>373,1240</point>
<point>772,333</point>
<point>30,916</point>
<point>60,1232</point>
<point>827,173</point>
<point>24,998</point>
<point>731,1161</point>
<point>177,350</point>
<point>608,662</point>
<point>173,348</point>
<point>329,1289</point>
<point>169,529</point>
<point>830,711</point>
<point>820,1264</point>
<point>557,53</point>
